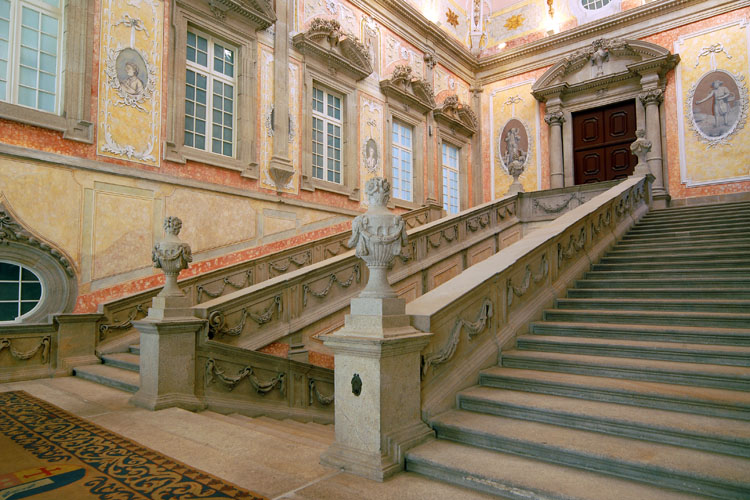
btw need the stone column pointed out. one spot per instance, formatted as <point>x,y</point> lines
<point>555,120</point>
<point>281,168</point>
<point>651,100</point>
<point>168,333</point>
<point>377,382</point>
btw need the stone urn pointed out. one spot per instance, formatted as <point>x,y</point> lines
<point>171,255</point>
<point>378,236</point>
<point>515,169</point>
<point>640,148</point>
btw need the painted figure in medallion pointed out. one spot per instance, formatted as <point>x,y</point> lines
<point>132,85</point>
<point>721,99</point>
<point>371,160</point>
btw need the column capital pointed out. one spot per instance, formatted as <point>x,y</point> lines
<point>554,118</point>
<point>653,96</point>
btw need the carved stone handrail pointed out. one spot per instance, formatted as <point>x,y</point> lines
<point>556,254</point>
<point>427,247</point>
<point>214,284</point>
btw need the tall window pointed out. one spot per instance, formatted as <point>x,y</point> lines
<point>20,291</point>
<point>326,135</point>
<point>30,49</point>
<point>401,155</point>
<point>209,95</point>
<point>450,178</point>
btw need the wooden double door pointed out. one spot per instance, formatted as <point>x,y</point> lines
<point>601,143</point>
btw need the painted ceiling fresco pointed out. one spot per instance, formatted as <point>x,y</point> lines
<point>488,27</point>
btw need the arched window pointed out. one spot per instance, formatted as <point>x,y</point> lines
<point>594,4</point>
<point>21,291</point>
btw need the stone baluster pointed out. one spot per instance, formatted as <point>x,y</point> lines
<point>651,100</point>
<point>377,382</point>
<point>555,120</point>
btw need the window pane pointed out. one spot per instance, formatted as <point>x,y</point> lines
<point>46,102</point>
<point>9,291</point>
<point>49,25</point>
<point>27,97</point>
<point>5,9</point>
<point>29,57</point>
<point>29,38</point>
<point>30,18</point>
<point>31,291</point>
<point>8,311</point>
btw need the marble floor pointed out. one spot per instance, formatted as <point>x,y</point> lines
<point>265,457</point>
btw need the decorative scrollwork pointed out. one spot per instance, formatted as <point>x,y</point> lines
<point>443,234</point>
<point>356,275</point>
<point>217,321</point>
<point>314,392</point>
<point>623,205</point>
<point>25,355</point>
<point>415,221</point>
<point>575,245</point>
<point>124,325</point>
<point>474,328</point>
<point>336,248</point>
<point>554,209</point>
<point>213,372</point>
<point>505,211</point>
<point>299,261</point>
<point>604,220</point>
<point>480,221</point>
<point>226,281</point>
<point>528,278</point>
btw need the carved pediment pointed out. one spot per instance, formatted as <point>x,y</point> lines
<point>341,51</point>
<point>404,86</point>
<point>603,62</point>
<point>457,115</point>
<point>259,13</point>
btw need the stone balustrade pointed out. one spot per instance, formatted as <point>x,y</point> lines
<point>480,312</point>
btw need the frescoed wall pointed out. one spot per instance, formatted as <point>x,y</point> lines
<point>447,83</point>
<point>130,80</point>
<point>371,140</point>
<point>398,52</point>
<point>712,88</point>
<point>514,138</point>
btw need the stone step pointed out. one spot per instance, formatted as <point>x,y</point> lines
<point>743,272</point>
<point>656,235</point>
<point>124,360</point>
<point>666,351</point>
<point>670,266</point>
<point>508,476</point>
<point>714,434</point>
<point>689,225</point>
<point>690,470</point>
<point>293,428</point>
<point>742,256</point>
<point>732,215</point>
<point>695,305</point>
<point>661,293</point>
<point>695,374</point>
<point>667,318</point>
<point>697,400</point>
<point>245,422</point>
<point>681,243</point>
<point>135,349</point>
<point>669,249</point>
<point>687,334</point>
<point>697,210</point>
<point>738,284</point>
<point>111,376</point>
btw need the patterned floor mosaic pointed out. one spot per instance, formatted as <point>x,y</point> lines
<point>47,453</point>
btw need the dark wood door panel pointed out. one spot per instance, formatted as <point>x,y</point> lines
<point>590,166</point>
<point>601,143</point>
<point>588,130</point>
<point>620,162</point>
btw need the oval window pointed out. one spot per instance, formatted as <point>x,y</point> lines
<point>20,291</point>
<point>594,4</point>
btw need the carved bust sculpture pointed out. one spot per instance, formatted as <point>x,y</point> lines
<point>171,255</point>
<point>378,236</point>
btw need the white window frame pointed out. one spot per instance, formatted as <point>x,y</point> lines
<point>13,70</point>
<point>328,146</point>
<point>398,152</point>
<point>20,300</point>
<point>212,77</point>
<point>448,201</point>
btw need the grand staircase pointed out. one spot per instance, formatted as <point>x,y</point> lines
<point>636,385</point>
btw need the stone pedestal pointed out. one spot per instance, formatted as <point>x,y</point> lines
<point>378,403</point>
<point>168,363</point>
